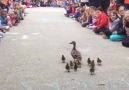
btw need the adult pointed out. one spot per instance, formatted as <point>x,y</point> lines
<point>95,3</point>
<point>119,3</point>
<point>84,2</point>
<point>104,4</point>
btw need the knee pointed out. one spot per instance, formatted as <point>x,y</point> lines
<point>117,37</point>
<point>112,38</point>
<point>96,31</point>
<point>125,43</point>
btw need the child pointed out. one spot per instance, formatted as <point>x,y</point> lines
<point>113,24</point>
<point>82,12</point>
<point>120,34</point>
<point>13,17</point>
<point>93,22</point>
<point>126,26</point>
<point>92,16</point>
<point>3,22</point>
<point>109,10</point>
<point>68,11</point>
<point>72,14</point>
<point>11,9</point>
<point>9,20</point>
<point>77,14</point>
<point>86,17</point>
<point>102,21</point>
<point>3,18</point>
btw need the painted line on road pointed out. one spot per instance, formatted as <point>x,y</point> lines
<point>24,37</point>
<point>25,85</point>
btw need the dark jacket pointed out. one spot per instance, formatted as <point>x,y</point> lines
<point>119,2</point>
<point>121,30</point>
<point>95,3</point>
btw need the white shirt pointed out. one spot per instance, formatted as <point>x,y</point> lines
<point>84,0</point>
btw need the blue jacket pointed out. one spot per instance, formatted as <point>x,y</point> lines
<point>3,21</point>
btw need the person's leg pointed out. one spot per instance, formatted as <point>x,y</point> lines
<point>84,24</point>
<point>90,19</point>
<point>106,4</point>
<point>102,4</point>
<point>87,3</point>
<point>82,4</point>
<point>117,37</point>
<point>126,42</point>
<point>107,32</point>
<point>1,34</point>
<point>99,30</point>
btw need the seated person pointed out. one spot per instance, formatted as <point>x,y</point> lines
<point>125,42</point>
<point>102,21</point>
<point>93,21</point>
<point>86,17</point>
<point>3,18</point>
<point>120,34</point>
<point>113,24</point>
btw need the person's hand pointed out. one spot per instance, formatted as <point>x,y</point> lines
<point>115,32</point>
<point>94,28</point>
<point>111,4</point>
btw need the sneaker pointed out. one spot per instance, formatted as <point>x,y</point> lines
<point>105,37</point>
<point>6,27</point>
<point>101,33</point>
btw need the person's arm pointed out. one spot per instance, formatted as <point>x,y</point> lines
<point>115,25</point>
<point>121,31</point>
<point>103,22</point>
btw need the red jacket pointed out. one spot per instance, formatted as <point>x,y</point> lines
<point>114,6</point>
<point>126,1</point>
<point>102,21</point>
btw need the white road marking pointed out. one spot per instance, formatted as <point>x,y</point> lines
<point>13,39</point>
<point>26,86</point>
<point>14,33</point>
<point>35,33</point>
<point>24,37</point>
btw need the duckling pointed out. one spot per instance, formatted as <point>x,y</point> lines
<point>75,67</point>
<point>71,65</point>
<point>67,67</point>
<point>92,63</point>
<point>75,53</point>
<point>92,69</point>
<point>99,61</point>
<point>63,59</point>
<point>89,61</point>
<point>78,63</point>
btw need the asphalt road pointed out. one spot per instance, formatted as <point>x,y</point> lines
<point>30,55</point>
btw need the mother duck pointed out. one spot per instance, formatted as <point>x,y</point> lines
<point>75,53</point>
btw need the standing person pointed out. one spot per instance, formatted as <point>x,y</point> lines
<point>119,3</point>
<point>84,2</point>
<point>95,3</point>
<point>104,4</point>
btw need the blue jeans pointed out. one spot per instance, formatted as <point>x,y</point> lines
<point>117,37</point>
